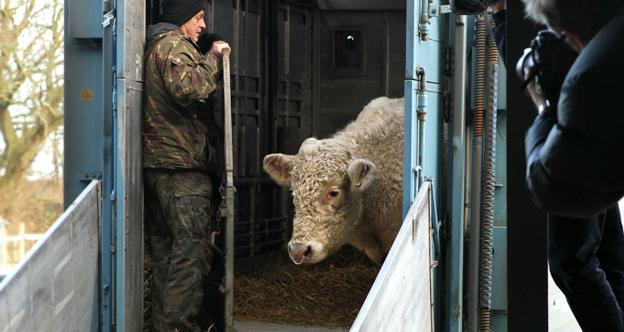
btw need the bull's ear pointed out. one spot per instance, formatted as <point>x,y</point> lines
<point>279,166</point>
<point>361,173</point>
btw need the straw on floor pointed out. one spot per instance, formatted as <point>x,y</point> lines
<point>326,294</point>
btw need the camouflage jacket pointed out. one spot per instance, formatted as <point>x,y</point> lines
<point>178,78</point>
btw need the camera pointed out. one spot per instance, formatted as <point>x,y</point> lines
<point>548,60</point>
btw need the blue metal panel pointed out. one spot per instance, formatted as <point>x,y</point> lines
<point>500,195</point>
<point>85,18</point>
<point>433,131</point>
<point>499,267</point>
<point>499,321</point>
<point>502,85</point>
<point>87,150</point>
<point>83,102</point>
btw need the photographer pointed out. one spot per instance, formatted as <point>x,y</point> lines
<point>575,156</point>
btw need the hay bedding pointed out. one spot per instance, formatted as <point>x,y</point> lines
<point>326,294</point>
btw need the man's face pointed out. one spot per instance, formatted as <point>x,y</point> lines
<point>194,26</point>
<point>571,38</point>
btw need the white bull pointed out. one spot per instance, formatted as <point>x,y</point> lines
<point>347,188</point>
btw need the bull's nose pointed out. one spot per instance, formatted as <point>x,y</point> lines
<point>298,252</point>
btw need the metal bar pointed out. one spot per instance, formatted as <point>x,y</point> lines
<point>421,114</point>
<point>409,120</point>
<point>455,251</point>
<point>108,120</point>
<point>229,195</point>
<point>410,145</point>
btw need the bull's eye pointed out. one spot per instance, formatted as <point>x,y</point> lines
<point>332,193</point>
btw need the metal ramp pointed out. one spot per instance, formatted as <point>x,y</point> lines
<point>401,297</point>
<point>55,287</point>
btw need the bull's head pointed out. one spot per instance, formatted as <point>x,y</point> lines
<point>328,187</point>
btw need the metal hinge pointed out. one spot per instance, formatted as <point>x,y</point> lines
<point>109,17</point>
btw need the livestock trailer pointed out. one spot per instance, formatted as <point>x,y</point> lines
<point>300,68</point>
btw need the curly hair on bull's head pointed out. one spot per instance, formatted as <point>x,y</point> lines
<point>347,188</point>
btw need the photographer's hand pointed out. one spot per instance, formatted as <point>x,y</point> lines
<point>541,103</point>
<point>537,98</point>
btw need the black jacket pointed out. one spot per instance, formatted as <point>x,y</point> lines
<point>575,160</point>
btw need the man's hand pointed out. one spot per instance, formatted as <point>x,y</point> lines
<point>536,96</point>
<point>218,46</point>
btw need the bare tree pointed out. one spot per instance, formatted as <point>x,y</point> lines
<point>31,81</point>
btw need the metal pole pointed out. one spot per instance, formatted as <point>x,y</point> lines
<point>421,114</point>
<point>455,257</point>
<point>229,195</point>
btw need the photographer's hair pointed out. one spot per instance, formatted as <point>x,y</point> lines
<point>584,17</point>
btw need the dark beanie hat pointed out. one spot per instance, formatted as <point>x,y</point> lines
<point>179,12</point>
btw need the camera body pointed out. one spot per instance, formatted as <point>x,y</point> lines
<point>548,58</point>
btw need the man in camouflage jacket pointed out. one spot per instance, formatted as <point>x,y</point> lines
<point>179,163</point>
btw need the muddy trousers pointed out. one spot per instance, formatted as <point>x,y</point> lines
<point>186,273</point>
<point>586,258</point>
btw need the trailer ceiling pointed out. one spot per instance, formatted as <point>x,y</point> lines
<point>360,4</point>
